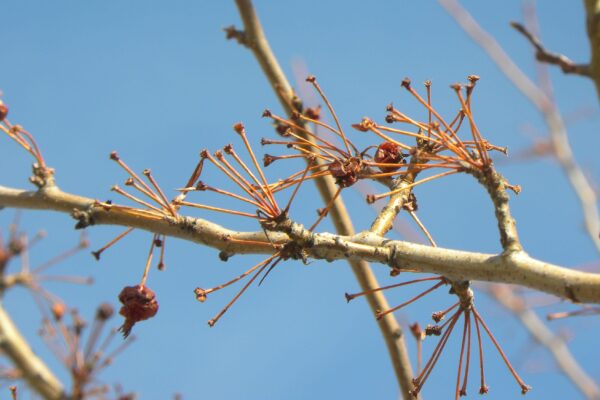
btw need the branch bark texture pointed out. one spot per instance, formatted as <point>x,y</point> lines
<point>515,267</point>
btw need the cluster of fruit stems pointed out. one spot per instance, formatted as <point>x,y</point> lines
<point>261,195</point>
<point>466,154</point>
<point>83,361</point>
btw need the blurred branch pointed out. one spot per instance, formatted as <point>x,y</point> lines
<point>515,267</point>
<point>35,372</point>
<point>558,133</point>
<point>552,342</point>
<point>541,54</point>
<point>254,38</point>
<point>592,8</point>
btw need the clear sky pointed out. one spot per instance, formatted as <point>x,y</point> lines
<point>158,82</point>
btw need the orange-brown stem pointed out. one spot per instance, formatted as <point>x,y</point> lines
<point>524,388</point>
<point>98,252</point>
<point>355,295</point>
<point>117,189</point>
<point>417,297</point>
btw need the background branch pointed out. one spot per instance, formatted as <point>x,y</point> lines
<point>541,54</point>
<point>592,9</point>
<point>36,373</point>
<point>556,127</point>
<point>544,336</point>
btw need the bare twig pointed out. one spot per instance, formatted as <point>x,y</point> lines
<point>543,55</point>
<point>254,38</point>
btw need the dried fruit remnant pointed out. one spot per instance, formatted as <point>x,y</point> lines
<point>139,303</point>
<point>389,153</point>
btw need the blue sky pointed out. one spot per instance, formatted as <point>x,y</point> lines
<point>158,82</point>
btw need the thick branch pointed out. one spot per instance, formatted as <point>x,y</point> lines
<point>592,8</point>
<point>515,268</point>
<point>37,374</point>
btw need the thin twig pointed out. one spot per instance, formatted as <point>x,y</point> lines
<point>541,54</point>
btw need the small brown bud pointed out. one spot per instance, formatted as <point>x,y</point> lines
<point>239,128</point>
<point>435,330</point>
<point>114,156</point>
<point>268,159</point>
<point>456,86</point>
<point>58,311</point>
<point>438,316</point>
<point>267,113</point>
<point>282,129</point>
<point>228,149</point>
<point>104,312</point>
<point>313,112</point>
<point>200,294</point>
<point>311,79</point>
<point>406,83</point>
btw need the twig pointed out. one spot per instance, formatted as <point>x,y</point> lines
<point>541,54</point>
<point>254,38</point>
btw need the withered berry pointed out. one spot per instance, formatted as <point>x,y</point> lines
<point>3,111</point>
<point>389,153</point>
<point>139,303</point>
<point>345,172</point>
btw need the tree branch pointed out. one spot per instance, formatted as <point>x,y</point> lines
<point>592,9</point>
<point>35,372</point>
<point>541,54</point>
<point>558,132</point>
<point>515,267</point>
<point>255,39</point>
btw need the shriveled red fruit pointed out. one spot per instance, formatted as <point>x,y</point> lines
<point>139,303</point>
<point>389,153</point>
<point>3,111</point>
<point>345,171</point>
